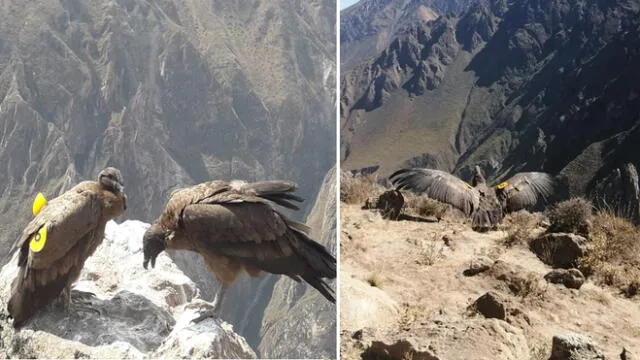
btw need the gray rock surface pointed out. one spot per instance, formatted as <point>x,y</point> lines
<point>574,346</point>
<point>136,313</point>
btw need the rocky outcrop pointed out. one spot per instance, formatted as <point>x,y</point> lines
<point>619,192</point>
<point>135,313</point>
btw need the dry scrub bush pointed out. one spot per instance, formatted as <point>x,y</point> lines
<point>571,216</point>
<point>375,280</point>
<point>613,257</point>
<point>423,206</point>
<point>356,189</point>
<point>431,251</point>
<point>529,286</point>
<point>519,227</point>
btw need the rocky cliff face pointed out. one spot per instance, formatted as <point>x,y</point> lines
<point>369,26</point>
<point>136,313</point>
<point>511,86</point>
<point>171,92</point>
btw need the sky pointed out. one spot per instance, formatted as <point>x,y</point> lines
<point>347,3</point>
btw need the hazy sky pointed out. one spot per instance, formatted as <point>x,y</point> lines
<point>346,3</point>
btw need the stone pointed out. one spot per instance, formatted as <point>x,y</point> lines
<point>389,203</point>
<point>478,265</point>
<point>491,305</point>
<point>560,249</point>
<point>571,278</point>
<point>573,346</point>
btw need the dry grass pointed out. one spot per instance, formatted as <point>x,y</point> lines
<point>431,252</point>
<point>375,280</point>
<point>408,316</point>
<point>356,189</point>
<point>520,227</point>
<point>613,258</point>
<point>540,352</point>
<point>423,206</point>
<point>571,216</point>
<point>529,287</point>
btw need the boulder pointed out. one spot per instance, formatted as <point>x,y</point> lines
<point>572,346</point>
<point>478,265</point>
<point>560,249</point>
<point>491,305</point>
<point>571,278</point>
<point>389,203</point>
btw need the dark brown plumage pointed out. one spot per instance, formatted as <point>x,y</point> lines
<point>74,223</point>
<point>485,204</point>
<point>235,228</point>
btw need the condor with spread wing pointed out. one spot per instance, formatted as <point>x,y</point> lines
<point>485,204</point>
<point>235,228</point>
<point>56,243</point>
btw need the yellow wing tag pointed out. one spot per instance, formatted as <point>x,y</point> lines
<point>38,240</point>
<point>468,185</point>
<point>503,185</point>
<point>39,202</point>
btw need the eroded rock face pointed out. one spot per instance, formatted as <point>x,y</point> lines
<point>135,312</point>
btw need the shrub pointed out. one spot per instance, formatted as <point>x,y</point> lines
<point>613,254</point>
<point>356,189</point>
<point>375,280</point>
<point>571,216</point>
<point>423,206</point>
<point>519,227</point>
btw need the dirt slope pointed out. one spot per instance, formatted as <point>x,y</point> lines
<point>420,287</point>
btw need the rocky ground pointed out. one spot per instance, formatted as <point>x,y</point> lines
<point>417,288</point>
<point>136,313</point>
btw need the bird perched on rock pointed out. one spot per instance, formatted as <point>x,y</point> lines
<point>235,228</point>
<point>484,203</point>
<point>55,244</point>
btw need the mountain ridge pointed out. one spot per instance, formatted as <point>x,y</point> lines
<point>510,86</point>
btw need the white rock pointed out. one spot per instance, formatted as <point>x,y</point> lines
<point>133,315</point>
